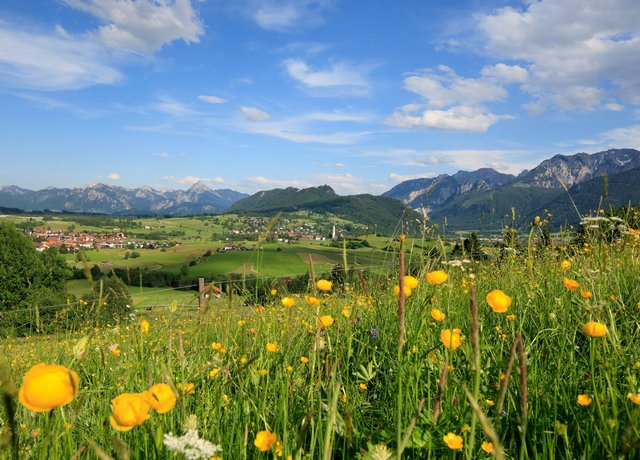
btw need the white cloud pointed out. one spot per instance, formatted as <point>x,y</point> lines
<point>113,176</point>
<point>212,99</point>
<point>142,25</point>
<point>506,73</point>
<point>458,118</point>
<point>445,88</point>
<point>253,114</point>
<point>194,179</point>
<point>570,45</point>
<point>339,165</point>
<point>174,108</point>
<point>397,178</point>
<point>165,155</point>
<point>626,137</point>
<point>613,107</point>
<point>264,183</point>
<point>339,74</point>
<point>282,15</point>
<point>49,61</point>
<point>294,132</point>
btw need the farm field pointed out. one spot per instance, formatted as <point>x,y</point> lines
<point>548,366</point>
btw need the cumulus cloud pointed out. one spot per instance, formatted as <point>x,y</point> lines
<point>113,176</point>
<point>142,25</point>
<point>444,88</point>
<point>588,54</point>
<point>212,99</point>
<point>50,61</point>
<point>283,15</point>
<point>506,73</point>
<point>337,75</point>
<point>458,118</point>
<point>194,180</point>
<point>628,136</point>
<point>254,114</point>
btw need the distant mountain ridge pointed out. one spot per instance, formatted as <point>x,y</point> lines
<point>379,213</point>
<point>490,200</point>
<point>113,199</point>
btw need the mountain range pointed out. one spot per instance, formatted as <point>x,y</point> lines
<point>111,199</point>
<point>486,198</point>
<point>564,185</point>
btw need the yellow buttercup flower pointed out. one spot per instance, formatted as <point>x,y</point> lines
<point>487,446</point>
<point>264,440</point>
<point>407,291</point>
<point>47,386</point>
<point>565,265</point>
<point>312,301</point>
<point>437,315</point>
<point>162,399</point>
<point>346,313</point>
<point>304,359</point>
<point>451,338</point>
<point>324,285</point>
<point>186,388</point>
<point>272,347</point>
<point>635,398</point>
<point>362,386</point>
<point>274,291</point>
<point>144,325</point>
<point>595,329</point>
<point>411,281</point>
<point>325,321</point>
<point>288,301</point>
<point>453,441</point>
<point>585,294</point>
<point>498,301</point>
<point>437,277</point>
<point>129,410</point>
<point>570,284</point>
<point>584,400</point>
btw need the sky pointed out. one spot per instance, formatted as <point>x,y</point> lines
<point>357,94</point>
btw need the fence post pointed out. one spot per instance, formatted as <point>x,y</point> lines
<point>201,299</point>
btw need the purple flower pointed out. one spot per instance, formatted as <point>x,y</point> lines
<point>374,333</point>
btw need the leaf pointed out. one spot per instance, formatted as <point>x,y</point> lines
<point>174,306</point>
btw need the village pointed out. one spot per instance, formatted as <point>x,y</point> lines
<point>76,241</point>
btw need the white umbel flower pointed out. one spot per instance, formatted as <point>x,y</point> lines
<point>191,445</point>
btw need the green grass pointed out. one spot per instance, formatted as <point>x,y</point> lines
<point>358,389</point>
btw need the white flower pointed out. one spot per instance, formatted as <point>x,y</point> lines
<point>191,445</point>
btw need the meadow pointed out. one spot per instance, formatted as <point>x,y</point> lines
<point>533,354</point>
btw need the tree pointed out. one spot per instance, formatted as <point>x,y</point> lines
<point>29,281</point>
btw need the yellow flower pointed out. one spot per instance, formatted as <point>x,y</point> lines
<point>312,301</point>
<point>487,447</point>
<point>453,441</point>
<point>186,388</point>
<point>129,410</point>
<point>324,285</point>
<point>274,291</point>
<point>272,347</point>
<point>565,265</point>
<point>241,322</point>
<point>490,402</point>
<point>635,399</point>
<point>437,315</point>
<point>288,301</point>
<point>362,386</point>
<point>436,277</point>
<point>584,400</point>
<point>511,317</point>
<point>162,398</point>
<point>325,321</point>
<point>144,325</point>
<point>304,359</point>
<point>451,339</point>
<point>216,346</point>
<point>115,351</point>
<point>264,440</point>
<point>47,386</point>
<point>585,294</point>
<point>498,301</point>
<point>346,313</point>
<point>595,329</point>
<point>263,372</point>
<point>214,372</point>
<point>289,368</point>
<point>570,284</point>
<point>407,291</point>
<point>411,281</point>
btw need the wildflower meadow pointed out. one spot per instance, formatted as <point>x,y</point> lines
<point>534,354</point>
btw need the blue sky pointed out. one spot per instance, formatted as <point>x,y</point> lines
<point>360,95</point>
